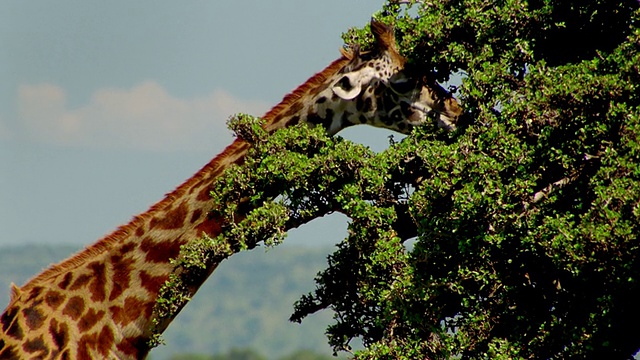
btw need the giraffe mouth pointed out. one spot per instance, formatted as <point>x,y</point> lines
<point>426,112</point>
<point>421,115</point>
<point>423,108</point>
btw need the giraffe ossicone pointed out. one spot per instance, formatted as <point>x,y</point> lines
<point>99,303</point>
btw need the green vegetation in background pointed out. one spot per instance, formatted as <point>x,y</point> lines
<point>249,354</point>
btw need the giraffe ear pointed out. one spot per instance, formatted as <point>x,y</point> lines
<point>384,35</point>
<point>350,85</point>
<point>386,41</point>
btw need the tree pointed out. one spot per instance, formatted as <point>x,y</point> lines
<point>525,219</point>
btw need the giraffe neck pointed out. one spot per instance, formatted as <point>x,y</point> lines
<point>99,303</point>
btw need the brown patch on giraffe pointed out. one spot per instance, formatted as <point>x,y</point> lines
<point>106,340</point>
<point>116,313</point>
<point>10,324</point>
<point>66,280</point>
<point>33,318</point>
<point>36,345</point>
<point>132,309</point>
<point>53,299</point>
<point>8,352</point>
<point>59,333</point>
<point>294,109</point>
<point>15,331</point>
<point>7,317</point>
<point>35,292</point>
<point>101,342</point>
<point>142,308</point>
<point>90,319</point>
<point>160,252</point>
<point>54,354</point>
<point>84,346</point>
<point>152,283</point>
<point>140,231</point>
<point>197,213</point>
<point>126,248</point>
<point>99,281</point>
<point>204,194</point>
<point>74,308</point>
<point>121,277</point>
<point>80,281</point>
<point>64,355</point>
<point>135,347</point>
<point>294,120</point>
<point>211,226</point>
<point>173,219</point>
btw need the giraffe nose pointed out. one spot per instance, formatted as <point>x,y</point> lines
<point>417,118</point>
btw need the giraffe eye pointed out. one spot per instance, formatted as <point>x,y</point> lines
<point>402,86</point>
<point>345,83</point>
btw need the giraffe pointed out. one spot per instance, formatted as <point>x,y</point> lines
<point>99,303</point>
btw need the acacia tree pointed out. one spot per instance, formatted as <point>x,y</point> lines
<point>524,221</point>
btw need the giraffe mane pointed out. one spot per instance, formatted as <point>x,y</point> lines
<point>107,242</point>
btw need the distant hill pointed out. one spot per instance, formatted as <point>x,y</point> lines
<point>245,303</point>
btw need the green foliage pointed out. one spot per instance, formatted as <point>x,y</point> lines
<point>307,355</point>
<point>525,220</point>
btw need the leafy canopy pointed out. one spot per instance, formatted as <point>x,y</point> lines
<point>524,222</point>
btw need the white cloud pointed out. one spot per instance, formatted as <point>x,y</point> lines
<point>143,117</point>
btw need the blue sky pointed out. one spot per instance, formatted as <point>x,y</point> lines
<point>107,106</point>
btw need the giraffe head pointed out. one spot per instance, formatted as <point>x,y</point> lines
<point>379,89</point>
